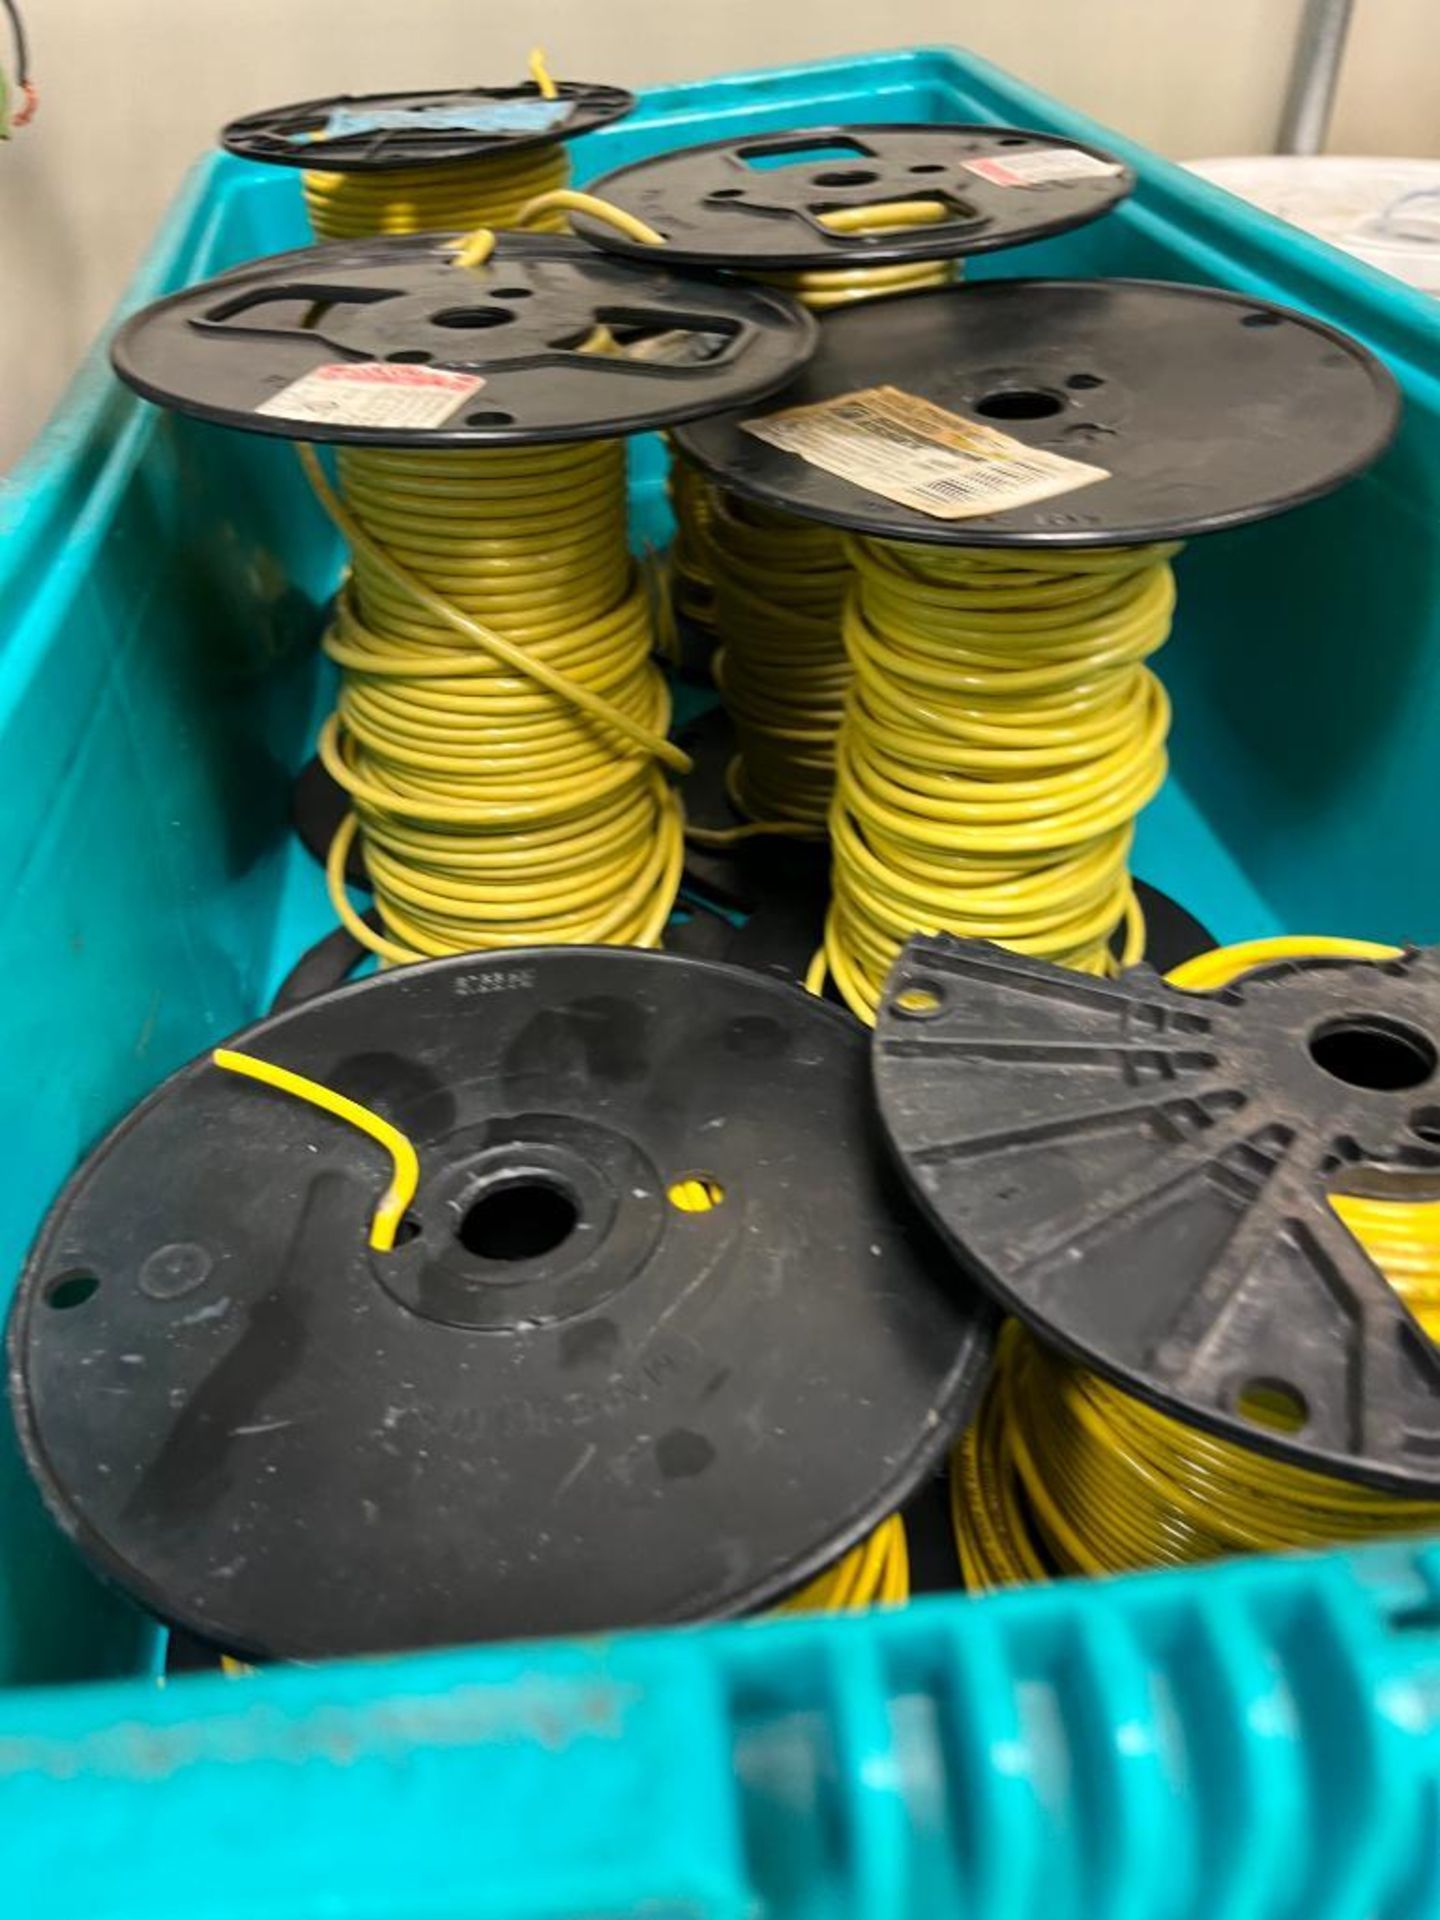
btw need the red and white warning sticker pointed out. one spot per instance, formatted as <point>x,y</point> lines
<point>908,449</point>
<point>1039,166</point>
<point>373,393</point>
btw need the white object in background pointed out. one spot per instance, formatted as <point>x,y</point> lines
<point>1387,212</point>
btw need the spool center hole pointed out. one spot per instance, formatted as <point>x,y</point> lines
<point>472,317</point>
<point>518,1221</point>
<point>1019,403</point>
<point>1371,1050</point>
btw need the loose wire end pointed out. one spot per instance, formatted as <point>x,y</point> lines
<point>405,1176</point>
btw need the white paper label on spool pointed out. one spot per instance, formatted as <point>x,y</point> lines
<point>373,393</point>
<point>909,450</point>
<point>1039,166</point>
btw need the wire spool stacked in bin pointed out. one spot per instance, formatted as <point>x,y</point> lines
<point>440,161</point>
<point>1013,465</point>
<point>1210,1204</point>
<point>836,215</point>
<point>642,1328</point>
<point>433,162</point>
<point>501,725</point>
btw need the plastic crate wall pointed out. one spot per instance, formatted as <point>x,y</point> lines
<point>1257,1742</point>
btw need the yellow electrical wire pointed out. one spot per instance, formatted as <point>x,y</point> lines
<point>874,1574</point>
<point>491,191</point>
<point>692,575</point>
<point>781,668</point>
<point>501,722</point>
<point>824,288</point>
<point>405,1164</point>
<point>1063,1473</point>
<point>1000,736</point>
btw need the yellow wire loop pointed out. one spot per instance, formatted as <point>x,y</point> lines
<point>372,476</point>
<point>1063,1473</point>
<point>692,576</point>
<point>565,200</point>
<point>405,1164</point>
<point>822,289</point>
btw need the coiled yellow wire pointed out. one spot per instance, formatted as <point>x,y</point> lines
<point>824,288</point>
<point>781,669</point>
<point>501,722</point>
<point>1001,734</point>
<point>492,191</point>
<point>692,568</point>
<point>1063,1473</point>
<point>874,1574</point>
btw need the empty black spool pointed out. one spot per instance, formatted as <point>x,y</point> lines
<point>1141,1175</point>
<point>223,348</point>
<point>561,1404</point>
<point>1207,409</point>
<point>716,208</point>
<point>285,136</point>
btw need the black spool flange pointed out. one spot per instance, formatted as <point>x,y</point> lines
<point>1142,1175</point>
<point>421,129</point>
<point>562,1403</point>
<point>754,203</point>
<point>1206,409</point>
<point>505,336</point>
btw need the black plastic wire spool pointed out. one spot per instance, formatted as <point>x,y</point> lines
<point>391,342</point>
<point>756,203</point>
<point>1142,1174</point>
<point>1205,409</point>
<point>374,132</point>
<point>563,1403</point>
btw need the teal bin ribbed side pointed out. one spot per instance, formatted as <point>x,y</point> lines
<point>1250,1741</point>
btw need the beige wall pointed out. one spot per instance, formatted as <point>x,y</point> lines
<point>133,90</point>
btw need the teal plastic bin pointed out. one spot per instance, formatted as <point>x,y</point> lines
<point>1255,1740</point>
